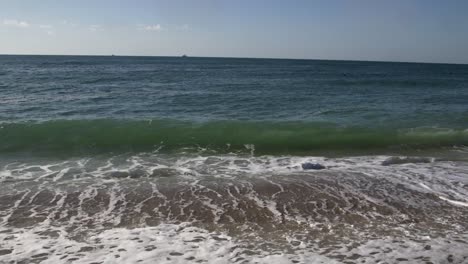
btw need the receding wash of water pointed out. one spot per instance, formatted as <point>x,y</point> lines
<point>117,159</point>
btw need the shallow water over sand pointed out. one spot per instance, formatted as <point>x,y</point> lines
<point>234,208</point>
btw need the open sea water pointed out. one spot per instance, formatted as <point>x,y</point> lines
<point>228,160</point>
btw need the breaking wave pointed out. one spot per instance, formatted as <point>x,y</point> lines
<point>107,135</point>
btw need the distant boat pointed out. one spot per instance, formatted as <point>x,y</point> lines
<point>113,55</point>
<point>184,56</point>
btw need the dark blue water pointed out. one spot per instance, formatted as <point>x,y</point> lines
<point>367,93</point>
<point>345,95</point>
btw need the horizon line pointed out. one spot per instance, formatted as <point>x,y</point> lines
<point>228,57</point>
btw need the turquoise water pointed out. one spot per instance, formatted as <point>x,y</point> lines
<point>99,136</point>
<point>280,106</point>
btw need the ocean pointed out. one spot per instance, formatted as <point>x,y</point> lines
<point>113,159</point>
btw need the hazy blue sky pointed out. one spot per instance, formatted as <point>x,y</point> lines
<point>395,30</point>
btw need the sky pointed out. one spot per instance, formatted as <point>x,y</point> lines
<point>381,30</point>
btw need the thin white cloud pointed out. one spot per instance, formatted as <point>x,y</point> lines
<point>15,23</point>
<point>95,28</point>
<point>156,27</point>
<point>45,26</point>
<point>68,23</point>
<point>48,29</point>
<point>183,27</point>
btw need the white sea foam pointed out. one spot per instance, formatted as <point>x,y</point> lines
<point>119,210</point>
<point>182,243</point>
<point>442,178</point>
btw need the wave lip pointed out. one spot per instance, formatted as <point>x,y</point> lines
<point>109,135</point>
